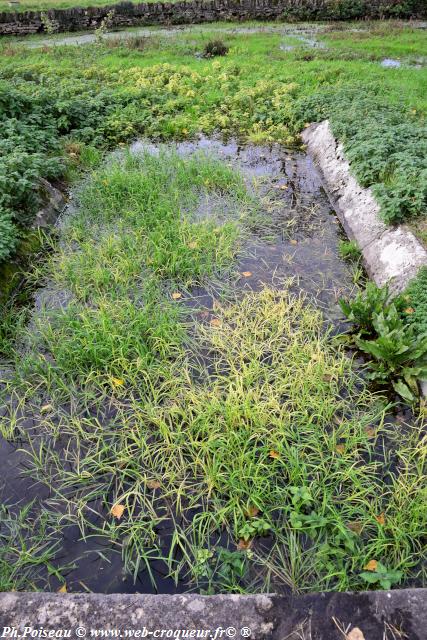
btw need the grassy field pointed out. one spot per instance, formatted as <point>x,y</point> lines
<point>245,432</point>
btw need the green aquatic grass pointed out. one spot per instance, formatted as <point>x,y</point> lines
<point>248,430</point>
<point>138,236</point>
<point>265,442</point>
<point>27,548</point>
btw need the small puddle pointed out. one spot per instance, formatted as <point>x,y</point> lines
<point>391,63</point>
<point>302,243</point>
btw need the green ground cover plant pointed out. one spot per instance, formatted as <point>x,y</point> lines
<point>27,548</point>
<point>397,350</point>
<point>416,301</point>
<point>67,100</point>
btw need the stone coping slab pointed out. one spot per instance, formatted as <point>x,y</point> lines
<point>392,255</point>
<point>372,615</point>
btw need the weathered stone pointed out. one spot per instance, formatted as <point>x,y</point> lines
<point>54,204</point>
<point>319,616</point>
<point>391,255</point>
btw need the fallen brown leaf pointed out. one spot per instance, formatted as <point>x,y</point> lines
<point>355,526</point>
<point>380,519</point>
<point>371,565</point>
<point>117,510</point>
<point>274,454</point>
<point>355,634</point>
<point>153,484</point>
<point>244,544</point>
<point>370,431</point>
<point>45,408</point>
<point>252,511</point>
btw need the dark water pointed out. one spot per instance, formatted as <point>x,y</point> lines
<point>303,230</point>
<point>299,240</point>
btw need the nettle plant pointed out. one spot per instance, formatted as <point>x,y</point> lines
<point>397,350</point>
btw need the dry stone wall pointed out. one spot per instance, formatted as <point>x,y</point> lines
<point>127,14</point>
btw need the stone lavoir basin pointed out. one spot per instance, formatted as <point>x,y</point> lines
<point>298,246</point>
<point>295,247</point>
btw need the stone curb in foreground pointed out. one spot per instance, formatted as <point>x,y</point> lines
<point>378,615</point>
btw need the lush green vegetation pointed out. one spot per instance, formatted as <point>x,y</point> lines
<point>245,426</point>
<point>397,348</point>
<point>416,299</point>
<point>27,548</point>
<point>51,105</point>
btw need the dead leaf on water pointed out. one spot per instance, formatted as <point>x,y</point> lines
<point>153,484</point>
<point>371,565</point>
<point>244,544</point>
<point>370,431</point>
<point>117,510</point>
<point>355,634</point>
<point>45,408</point>
<point>355,526</point>
<point>380,519</point>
